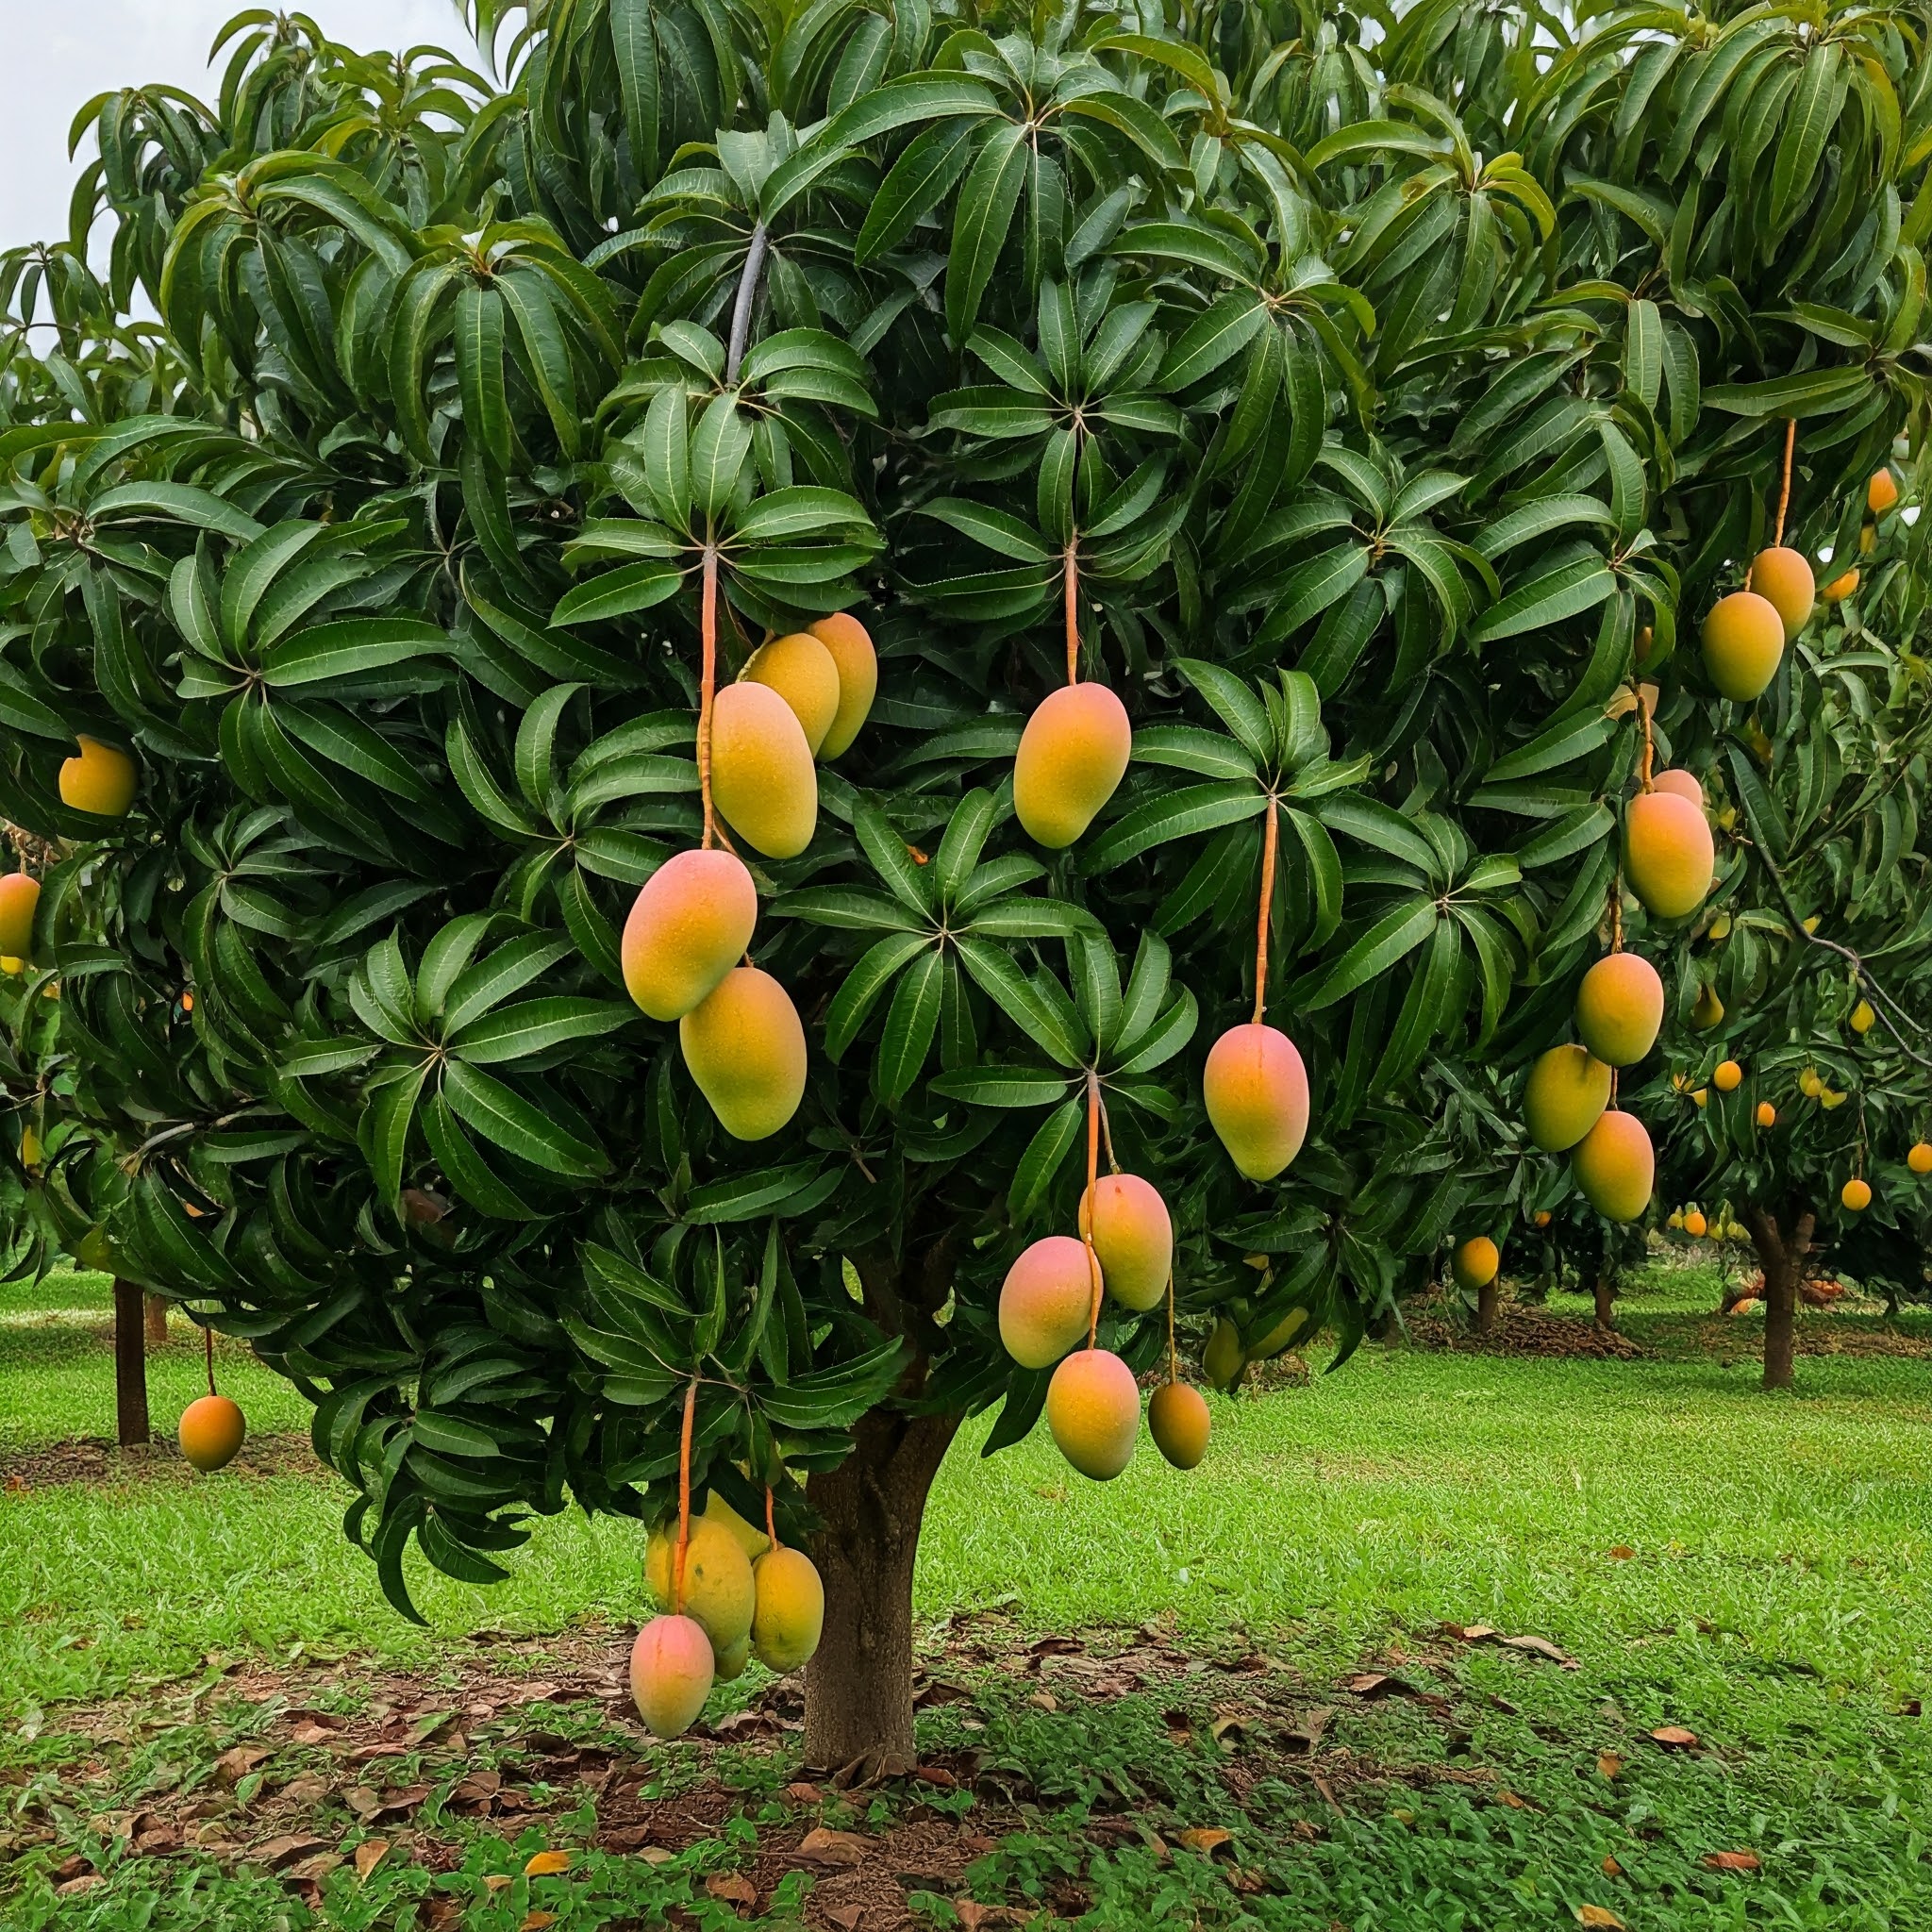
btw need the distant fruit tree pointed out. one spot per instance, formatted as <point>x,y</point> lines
<point>602,1048</point>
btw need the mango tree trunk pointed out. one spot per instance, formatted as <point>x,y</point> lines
<point>858,1688</point>
<point>1605,1299</point>
<point>1782,1258</point>
<point>156,1319</point>
<point>131,1366</point>
<point>1486,1306</point>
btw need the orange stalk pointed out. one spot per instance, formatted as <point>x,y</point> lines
<point>1072,610</point>
<point>690,1410</point>
<point>771,1517</point>
<point>1270,842</point>
<point>1784,494</point>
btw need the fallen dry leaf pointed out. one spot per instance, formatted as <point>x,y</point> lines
<point>655,1855</point>
<point>801,1794</point>
<point>1510,1799</point>
<point>1608,1764</point>
<point>1205,1839</point>
<point>546,1864</point>
<point>1621,1553</point>
<point>1044,1700</point>
<point>1600,1916</point>
<point>846,1918</point>
<point>1377,1684</point>
<point>231,1767</point>
<point>280,1852</point>
<point>840,1849</point>
<point>369,1854</point>
<point>733,1888</point>
<point>1612,1869</point>
<point>1675,1738</point>
<point>537,1922</point>
<point>497,1881</point>
<point>1731,1861</point>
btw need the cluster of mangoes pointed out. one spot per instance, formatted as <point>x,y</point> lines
<point>744,1597</point>
<point>801,697</point>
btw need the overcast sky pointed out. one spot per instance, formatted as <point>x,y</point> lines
<point>61,53</point>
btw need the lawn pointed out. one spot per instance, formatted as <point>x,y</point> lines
<point>1747,1568</point>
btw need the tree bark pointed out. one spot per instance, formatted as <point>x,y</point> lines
<point>1783,1261</point>
<point>130,1367</point>
<point>1486,1306</point>
<point>858,1688</point>
<point>1604,1296</point>
<point>156,1319</point>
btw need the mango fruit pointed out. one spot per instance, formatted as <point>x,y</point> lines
<point>791,1614</point>
<point>802,671</point>
<point>1744,642</point>
<point>1708,1010</point>
<point>1863,1018</point>
<point>671,1669</point>
<point>750,1538</point>
<point>1221,1360</point>
<point>688,926</point>
<point>1280,1336</point>
<point>763,778</point>
<point>745,1045</point>
<point>1683,783</point>
<point>1669,854</point>
<point>730,1662</point>
<point>1619,1007</point>
<point>1728,1076</point>
<point>20,897</point>
<point>1767,1114</point>
<point>1616,1166</point>
<point>1474,1263</point>
<point>1881,493</point>
<point>1840,587</point>
<point>1855,1194</point>
<point>1920,1156</point>
<point>718,1592</point>
<point>1047,1301</point>
<point>1693,1223</point>
<point>1257,1091</point>
<point>1178,1421</point>
<point>1094,1410</point>
<point>99,779</point>
<point>1567,1090</point>
<point>1783,578</point>
<point>858,663</point>
<point>1073,754</point>
<point>1133,1238</point>
<point>211,1432</point>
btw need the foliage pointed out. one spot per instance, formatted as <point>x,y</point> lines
<point>1378,382</point>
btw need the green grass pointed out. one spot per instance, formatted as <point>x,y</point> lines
<point>1775,1602</point>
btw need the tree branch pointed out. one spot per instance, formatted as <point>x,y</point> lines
<point>741,306</point>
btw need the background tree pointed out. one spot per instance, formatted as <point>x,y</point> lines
<point>1348,402</point>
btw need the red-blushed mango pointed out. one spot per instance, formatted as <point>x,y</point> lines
<point>1133,1238</point>
<point>791,1614</point>
<point>1474,1263</point>
<point>1783,578</point>
<point>1881,494</point>
<point>1616,1167</point>
<point>1683,783</point>
<point>1855,1194</point>
<point>1178,1421</point>
<point>1620,1007</point>
<point>1669,854</point>
<point>212,1431</point>
<point>1566,1093</point>
<point>1257,1091</point>
<point>1047,1301</point>
<point>688,926</point>
<point>849,645</point>
<point>1743,641</point>
<point>745,1045</point>
<point>801,669</point>
<point>99,779</point>
<point>1840,587</point>
<point>718,1591</point>
<point>1072,754</point>
<point>671,1670</point>
<point>1093,1409</point>
<point>1920,1156</point>
<point>762,777</point>
<point>20,898</point>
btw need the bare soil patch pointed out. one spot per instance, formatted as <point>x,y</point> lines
<point>94,1460</point>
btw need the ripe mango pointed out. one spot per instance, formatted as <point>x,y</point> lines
<point>1683,783</point>
<point>1855,1194</point>
<point>1567,1090</point>
<point>20,897</point>
<point>1072,754</point>
<point>1743,641</point>
<point>1767,1114</point>
<point>718,1591</point>
<point>744,1046</point>
<point>1863,1018</point>
<point>751,1539</point>
<point>1881,494</point>
<point>1257,1091</point>
<point>1694,1223</point>
<point>762,777</point>
<point>791,1614</point>
<point>1783,578</point>
<point>212,1431</point>
<point>1178,1421</point>
<point>1669,854</point>
<point>688,925</point>
<point>1047,1301</point>
<point>1728,1076</point>
<point>671,1669</point>
<point>1619,1007</point>
<point>1616,1167</point>
<point>1920,1158</point>
<point>801,669</point>
<point>1133,1238</point>
<point>1840,587</point>
<point>1093,1409</point>
<point>1474,1263</point>
<point>100,780</point>
<point>849,645</point>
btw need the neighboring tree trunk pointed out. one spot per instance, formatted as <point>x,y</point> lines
<point>156,1319</point>
<point>1783,1261</point>
<point>1605,1295</point>
<point>858,1688</point>
<point>1486,1305</point>
<point>130,1367</point>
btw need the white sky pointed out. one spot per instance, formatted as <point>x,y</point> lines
<point>59,53</point>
